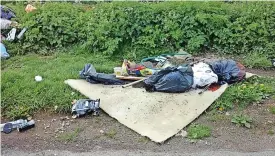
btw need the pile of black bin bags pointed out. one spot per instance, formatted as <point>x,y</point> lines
<point>180,79</point>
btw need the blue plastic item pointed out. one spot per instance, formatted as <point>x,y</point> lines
<point>4,53</point>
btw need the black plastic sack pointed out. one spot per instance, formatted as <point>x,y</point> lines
<point>228,71</point>
<point>170,79</point>
<point>89,73</point>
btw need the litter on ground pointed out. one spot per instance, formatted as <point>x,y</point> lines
<point>21,125</point>
<point>182,91</point>
<point>82,107</point>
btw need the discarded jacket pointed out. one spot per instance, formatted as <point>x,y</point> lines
<point>203,75</point>
<point>228,71</point>
<point>170,79</point>
<point>84,106</point>
<point>89,73</point>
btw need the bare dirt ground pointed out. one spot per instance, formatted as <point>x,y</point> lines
<point>94,134</point>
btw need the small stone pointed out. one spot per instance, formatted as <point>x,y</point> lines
<point>67,118</point>
<point>53,120</point>
<point>182,133</point>
<point>97,147</point>
<point>37,120</point>
<point>67,124</point>
<point>269,122</point>
<point>55,108</point>
<point>29,118</point>
<point>46,132</point>
<point>63,124</point>
<point>227,113</point>
<point>56,131</point>
<point>76,145</point>
<point>101,131</point>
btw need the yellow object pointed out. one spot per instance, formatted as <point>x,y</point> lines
<point>124,68</point>
<point>146,72</point>
<point>118,71</point>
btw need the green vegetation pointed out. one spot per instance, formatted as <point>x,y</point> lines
<point>21,95</point>
<point>198,131</point>
<point>111,133</point>
<point>242,120</point>
<point>68,137</point>
<point>217,117</point>
<point>144,29</point>
<point>144,140</point>
<point>272,109</point>
<point>270,132</point>
<point>256,60</point>
<point>240,95</point>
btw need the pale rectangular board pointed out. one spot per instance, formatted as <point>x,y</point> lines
<point>156,115</point>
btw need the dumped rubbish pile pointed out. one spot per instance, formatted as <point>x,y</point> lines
<point>195,84</point>
<point>173,73</point>
<point>170,73</point>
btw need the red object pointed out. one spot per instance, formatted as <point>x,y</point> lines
<point>213,87</point>
<point>241,74</point>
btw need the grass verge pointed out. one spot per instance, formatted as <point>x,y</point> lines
<point>21,95</point>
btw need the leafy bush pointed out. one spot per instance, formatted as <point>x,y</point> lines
<point>51,26</point>
<point>141,29</point>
